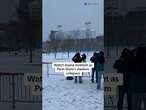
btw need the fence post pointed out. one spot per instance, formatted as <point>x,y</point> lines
<point>13,91</point>
<point>48,70</point>
<point>0,88</point>
<point>108,52</point>
<point>68,53</point>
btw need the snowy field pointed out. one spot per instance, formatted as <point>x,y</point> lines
<point>62,94</point>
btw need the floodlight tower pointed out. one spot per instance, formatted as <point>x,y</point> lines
<point>88,24</point>
<point>88,29</point>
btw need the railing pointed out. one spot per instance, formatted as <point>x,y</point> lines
<point>115,51</point>
<point>110,103</point>
<point>12,89</point>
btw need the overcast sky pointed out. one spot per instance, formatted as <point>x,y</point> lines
<point>71,14</point>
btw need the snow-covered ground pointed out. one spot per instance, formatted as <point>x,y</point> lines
<point>62,94</point>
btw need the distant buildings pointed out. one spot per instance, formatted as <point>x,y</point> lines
<point>74,45</point>
<point>74,34</point>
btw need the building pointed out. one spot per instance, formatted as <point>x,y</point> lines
<point>115,7</point>
<point>73,34</point>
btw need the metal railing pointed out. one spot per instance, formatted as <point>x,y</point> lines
<point>110,103</point>
<point>115,51</point>
<point>12,89</point>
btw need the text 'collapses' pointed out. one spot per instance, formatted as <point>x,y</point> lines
<point>72,69</point>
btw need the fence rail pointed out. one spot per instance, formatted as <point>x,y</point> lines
<point>12,89</point>
<point>115,50</point>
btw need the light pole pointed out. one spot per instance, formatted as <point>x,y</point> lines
<point>88,30</point>
<point>88,24</point>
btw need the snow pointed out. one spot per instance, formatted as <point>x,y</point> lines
<point>62,94</point>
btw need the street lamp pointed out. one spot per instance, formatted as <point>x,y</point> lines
<point>88,30</point>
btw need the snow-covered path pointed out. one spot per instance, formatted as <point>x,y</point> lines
<point>62,94</point>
